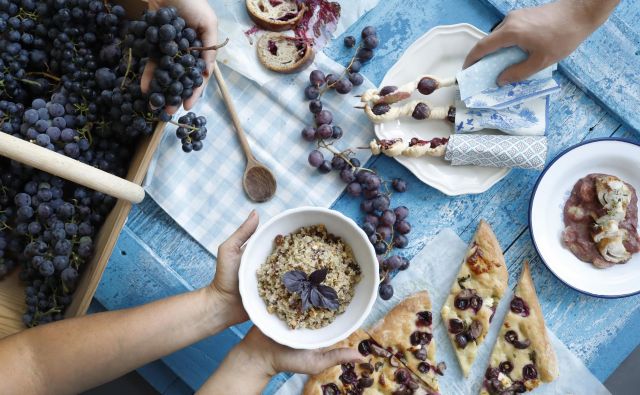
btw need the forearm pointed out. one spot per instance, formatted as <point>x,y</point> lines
<point>241,372</point>
<point>76,354</point>
<point>593,12</point>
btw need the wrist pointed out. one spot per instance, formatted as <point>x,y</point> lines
<point>221,309</point>
<point>247,354</point>
<point>591,13</point>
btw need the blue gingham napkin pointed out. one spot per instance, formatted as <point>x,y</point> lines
<point>202,191</point>
<point>478,88</point>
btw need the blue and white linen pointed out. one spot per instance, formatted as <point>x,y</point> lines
<point>528,118</point>
<point>478,88</point>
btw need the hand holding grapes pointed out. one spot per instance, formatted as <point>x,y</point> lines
<point>199,16</point>
<point>548,34</point>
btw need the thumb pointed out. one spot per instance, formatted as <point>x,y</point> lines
<point>520,71</point>
<point>335,357</point>
<point>244,232</point>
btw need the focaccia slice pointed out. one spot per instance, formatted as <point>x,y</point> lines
<point>406,331</point>
<point>474,295</point>
<point>522,356</point>
<point>379,373</point>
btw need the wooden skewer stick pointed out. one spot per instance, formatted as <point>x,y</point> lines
<point>70,169</point>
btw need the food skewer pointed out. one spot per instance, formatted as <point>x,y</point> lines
<point>417,109</point>
<point>426,84</point>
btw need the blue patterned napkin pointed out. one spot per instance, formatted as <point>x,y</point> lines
<point>514,152</point>
<point>524,119</point>
<point>478,88</point>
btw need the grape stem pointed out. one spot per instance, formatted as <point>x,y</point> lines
<point>126,73</point>
<point>44,74</point>
<point>182,125</point>
<point>353,59</point>
<point>211,48</point>
<point>330,148</point>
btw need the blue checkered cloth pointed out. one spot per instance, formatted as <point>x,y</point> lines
<point>202,191</point>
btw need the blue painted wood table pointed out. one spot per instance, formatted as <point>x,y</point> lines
<point>155,258</point>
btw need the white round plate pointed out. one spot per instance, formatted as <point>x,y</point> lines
<point>617,157</point>
<point>440,52</point>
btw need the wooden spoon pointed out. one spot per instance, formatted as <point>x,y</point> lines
<point>258,181</point>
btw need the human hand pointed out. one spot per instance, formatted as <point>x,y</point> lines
<point>199,16</point>
<point>272,358</point>
<point>548,34</point>
<point>225,282</point>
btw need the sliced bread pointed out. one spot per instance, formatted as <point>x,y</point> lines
<point>284,54</point>
<point>276,15</point>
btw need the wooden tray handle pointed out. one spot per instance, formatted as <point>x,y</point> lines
<point>70,169</point>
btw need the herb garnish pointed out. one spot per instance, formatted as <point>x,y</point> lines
<point>310,289</point>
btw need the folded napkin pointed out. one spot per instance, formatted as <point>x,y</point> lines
<point>434,268</point>
<point>478,88</point>
<point>523,152</point>
<point>528,118</point>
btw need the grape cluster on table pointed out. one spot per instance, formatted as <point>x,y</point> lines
<point>386,227</point>
<point>70,81</point>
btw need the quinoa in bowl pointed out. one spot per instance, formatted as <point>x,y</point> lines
<point>308,251</point>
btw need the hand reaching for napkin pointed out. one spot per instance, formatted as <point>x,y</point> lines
<point>548,34</point>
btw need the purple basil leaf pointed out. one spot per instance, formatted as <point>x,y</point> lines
<point>316,298</point>
<point>329,297</point>
<point>294,280</point>
<point>318,276</point>
<point>305,295</point>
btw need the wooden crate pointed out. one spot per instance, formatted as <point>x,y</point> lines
<point>12,296</point>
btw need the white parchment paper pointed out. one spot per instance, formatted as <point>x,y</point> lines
<point>240,53</point>
<point>434,269</point>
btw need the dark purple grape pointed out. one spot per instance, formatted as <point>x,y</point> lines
<point>380,247</point>
<point>347,175</point>
<point>324,131</point>
<point>403,227</point>
<point>371,193</point>
<point>381,203</point>
<point>355,66</point>
<point>421,111</point>
<point>355,162</point>
<point>401,212</point>
<point>385,291</point>
<point>337,132</point>
<point>366,205</point>
<point>455,325</point>
<point>356,79</point>
<point>402,376</point>
<point>372,219</point>
<point>317,78</point>
<point>461,340</point>
<point>338,163</point>
<point>371,41</point>
<point>384,232</point>
<point>399,185</point>
<point>308,133</point>
<point>368,31</point>
<point>427,85</point>
<point>330,389</point>
<point>405,264</point>
<point>420,338</point>
<point>506,367</point>
<point>331,80</point>
<point>388,217</point>
<point>349,41</point>
<point>316,158</point>
<point>344,86</point>
<point>518,306</point>
<point>325,167</point>
<point>368,228</point>
<point>423,367</point>
<point>311,92</point>
<point>354,189</point>
<point>380,108</point>
<point>364,54</point>
<point>315,106</point>
<point>400,241</point>
<point>388,90</point>
<point>529,372</point>
<point>392,263</point>
<point>324,117</point>
<point>373,239</point>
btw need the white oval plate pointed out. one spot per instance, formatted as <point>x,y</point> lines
<point>617,157</point>
<point>441,52</point>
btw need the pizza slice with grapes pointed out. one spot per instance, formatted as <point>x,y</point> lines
<point>522,356</point>
<point>474,296</point>
<point>380,372</point>
<point>406,331</point>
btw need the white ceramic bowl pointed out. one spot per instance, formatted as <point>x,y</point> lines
<point>260,246</point>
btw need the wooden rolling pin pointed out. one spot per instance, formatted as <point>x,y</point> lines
<point>70,169</point>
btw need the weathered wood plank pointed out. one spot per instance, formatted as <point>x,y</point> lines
<point>607,64</point>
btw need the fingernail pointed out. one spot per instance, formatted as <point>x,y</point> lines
<point>252,213</point>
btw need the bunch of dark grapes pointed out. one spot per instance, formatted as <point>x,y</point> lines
<point>70,82</point>
<point>386,228</point>
<point>192,131</point>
